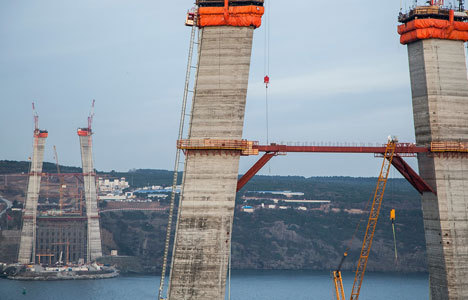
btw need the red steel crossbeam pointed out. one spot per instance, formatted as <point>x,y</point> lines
<point>254,170</point>
<point>413,178</point>
<point>401,149</point>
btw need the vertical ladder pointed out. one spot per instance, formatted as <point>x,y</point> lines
<point>373,218</point>
<point>177,158</point>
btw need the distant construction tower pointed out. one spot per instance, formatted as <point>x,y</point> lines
<point>94,248</point>
<point>27,249</point>
<point>435,37</point>
<point>203,234</point>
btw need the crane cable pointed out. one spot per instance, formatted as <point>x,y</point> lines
<point>392,215</point>
<point>266,69</point>
<point>345,254</point>
<point>392,218</point>
<point>348,247</point>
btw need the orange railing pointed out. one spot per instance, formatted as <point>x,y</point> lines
<point>246,147</point>
<point>449,146</point>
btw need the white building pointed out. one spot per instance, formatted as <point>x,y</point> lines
<point>107,185</point>
<point>112,197</point>
<point>247,209</point>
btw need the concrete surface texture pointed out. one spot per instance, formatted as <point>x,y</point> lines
<point>203,234</point>
<point>440,105</point>
<point>94,247</point>
<point>26,253</point>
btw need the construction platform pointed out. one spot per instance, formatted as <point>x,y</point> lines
<point>431,12</point>
<point>220,3</point>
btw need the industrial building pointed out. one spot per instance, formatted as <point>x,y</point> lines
<point>61,239</point>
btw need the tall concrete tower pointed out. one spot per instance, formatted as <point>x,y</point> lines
<point>27,249</point>
<point>203,234</point>
<point>94,248</point>
<point>435,37</point>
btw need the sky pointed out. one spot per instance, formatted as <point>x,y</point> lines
<point>337,72</point>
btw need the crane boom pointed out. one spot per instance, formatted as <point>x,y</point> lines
<point>370,230</point>
<point>91,116</point>
<point>36,118</point>
<point>373,218</point>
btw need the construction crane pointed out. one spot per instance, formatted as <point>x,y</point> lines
<point>370,230</point>
<point>36,118</point>
<point>91,116</point>
<point>62,183</point>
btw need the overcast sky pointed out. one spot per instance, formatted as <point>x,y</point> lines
<point>338,73</point>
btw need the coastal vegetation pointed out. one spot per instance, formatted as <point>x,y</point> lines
<point>268,238</point>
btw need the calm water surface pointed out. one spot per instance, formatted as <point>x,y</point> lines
<point>257,285</point>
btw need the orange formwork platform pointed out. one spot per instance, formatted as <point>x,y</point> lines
<point>420,29</point>
<point>41,133</point>
<point>239,16</point>
<point>84,132</point>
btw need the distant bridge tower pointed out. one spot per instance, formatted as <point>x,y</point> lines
<point>435,37</point>
<point>203,234</point>
<point>94,248</point>
<point>27,249</point>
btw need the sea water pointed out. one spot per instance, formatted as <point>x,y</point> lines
<point>256,285</point>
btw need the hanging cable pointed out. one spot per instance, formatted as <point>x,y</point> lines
<point>392,214</point>
<point>229,268</point>
<point>267,80</point>
<point>266,70</point>
<point>392,218</point>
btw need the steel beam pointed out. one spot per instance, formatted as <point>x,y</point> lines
<point>405,170</point>
<point>401,148</point>
<point>413,178</point>
<point>254,169</point>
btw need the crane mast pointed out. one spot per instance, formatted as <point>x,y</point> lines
<point>62,184</point>
<point>370,230</point>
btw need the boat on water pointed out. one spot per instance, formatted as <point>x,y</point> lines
<point>65,272</point>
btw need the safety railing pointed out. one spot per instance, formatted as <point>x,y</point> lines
<point>451,146</point>
<point>246,147</point>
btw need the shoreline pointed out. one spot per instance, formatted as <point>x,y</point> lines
<point>60,277</point>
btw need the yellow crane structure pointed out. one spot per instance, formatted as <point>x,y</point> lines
<point>370,230</point>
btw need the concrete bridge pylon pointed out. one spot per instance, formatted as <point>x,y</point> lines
<point>94,245</point>
<point>203,234</point>
<point>27,248</point>
<point>435,38</point>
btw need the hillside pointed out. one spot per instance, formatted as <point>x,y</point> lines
<point>277,238</point>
